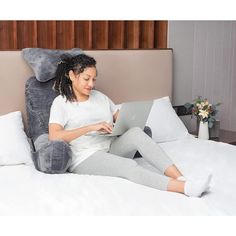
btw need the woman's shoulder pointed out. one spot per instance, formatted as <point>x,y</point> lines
<point>97,93</point>
<point>59,99</point>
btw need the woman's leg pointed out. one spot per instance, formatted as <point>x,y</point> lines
<point>103,163</point>
<point>173,171</point>
<point>176,186</point>
<point>107,164</point>
<point>135,139</point>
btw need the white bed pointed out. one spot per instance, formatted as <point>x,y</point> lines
<point>25,191</point>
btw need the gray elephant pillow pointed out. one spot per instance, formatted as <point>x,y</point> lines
<point>48,156</point>
<point>44,61</point>
<point>52,157</point>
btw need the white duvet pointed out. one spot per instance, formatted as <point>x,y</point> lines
<point>25,191</point>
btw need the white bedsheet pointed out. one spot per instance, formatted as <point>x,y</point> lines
<point>25,191</point>
<point>197,157</point>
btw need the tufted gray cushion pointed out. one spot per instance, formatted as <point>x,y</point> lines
<point>44,61</point>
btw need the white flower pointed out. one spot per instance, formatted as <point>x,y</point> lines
<point>199,106</point>
<point>203,114</point>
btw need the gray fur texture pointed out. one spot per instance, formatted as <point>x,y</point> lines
<point>52,157</point>
<point>44,61</point>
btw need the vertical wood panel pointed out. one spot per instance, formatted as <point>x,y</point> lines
<point>132,31</point>
<point>8,35</point>
<point>83,34</point>
<point>26,34</point>
<point>116,35</point>
<point>160,38</point>
<point>46,31</point>
<point>100,35</point>
<point>147,34</point>
<point>65,34</point>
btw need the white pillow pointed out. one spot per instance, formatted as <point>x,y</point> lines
<point>14,146</point>
<point>165,124</point>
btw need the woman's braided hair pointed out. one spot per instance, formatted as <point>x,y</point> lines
<point>77,64</point>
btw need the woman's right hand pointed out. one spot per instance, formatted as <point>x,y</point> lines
<point>102,127</point>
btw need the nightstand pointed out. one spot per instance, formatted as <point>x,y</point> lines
<point>226,136</point>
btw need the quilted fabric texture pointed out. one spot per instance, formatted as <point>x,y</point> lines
<point>44,61</point>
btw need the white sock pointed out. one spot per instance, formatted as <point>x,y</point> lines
<point>196,188</point>
<point>182,178</point>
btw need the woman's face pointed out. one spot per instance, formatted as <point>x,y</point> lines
<point>83,83</point>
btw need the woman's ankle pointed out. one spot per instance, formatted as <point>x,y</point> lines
<point>176,186</point>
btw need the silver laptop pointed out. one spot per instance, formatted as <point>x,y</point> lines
<point>131,114</point>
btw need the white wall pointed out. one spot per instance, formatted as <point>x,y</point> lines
<point>205,64</point>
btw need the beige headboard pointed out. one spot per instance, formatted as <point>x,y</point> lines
<point>124,75</point>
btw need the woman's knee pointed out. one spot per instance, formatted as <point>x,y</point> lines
<point>135,135</point>
<point>135,131</point>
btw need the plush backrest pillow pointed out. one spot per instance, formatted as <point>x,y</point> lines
<point>39,98</point>
<point>44,61</point>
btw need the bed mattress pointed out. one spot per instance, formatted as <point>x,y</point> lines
<point>25,191</point>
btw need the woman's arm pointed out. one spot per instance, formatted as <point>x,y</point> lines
<point>57,132</point>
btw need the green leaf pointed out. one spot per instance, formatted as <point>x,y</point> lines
<point>188,105</point>
<point>210,125</point>
<point>211,119</point>
<point>213,107</point>
<point>214,113</point>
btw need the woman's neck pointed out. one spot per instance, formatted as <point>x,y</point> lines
<point>81,97</point>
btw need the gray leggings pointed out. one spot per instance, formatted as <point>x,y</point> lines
<point>119,162</point>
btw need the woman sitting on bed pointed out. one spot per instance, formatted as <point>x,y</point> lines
<point>79,110</point>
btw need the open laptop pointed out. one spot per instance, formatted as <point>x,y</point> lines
<point>131,114</point>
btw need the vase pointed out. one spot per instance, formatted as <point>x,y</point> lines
<point>203,132</point>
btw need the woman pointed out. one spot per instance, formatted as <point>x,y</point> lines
<point>79,111</point>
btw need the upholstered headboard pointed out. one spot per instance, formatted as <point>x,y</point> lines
<point>124,75</point>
